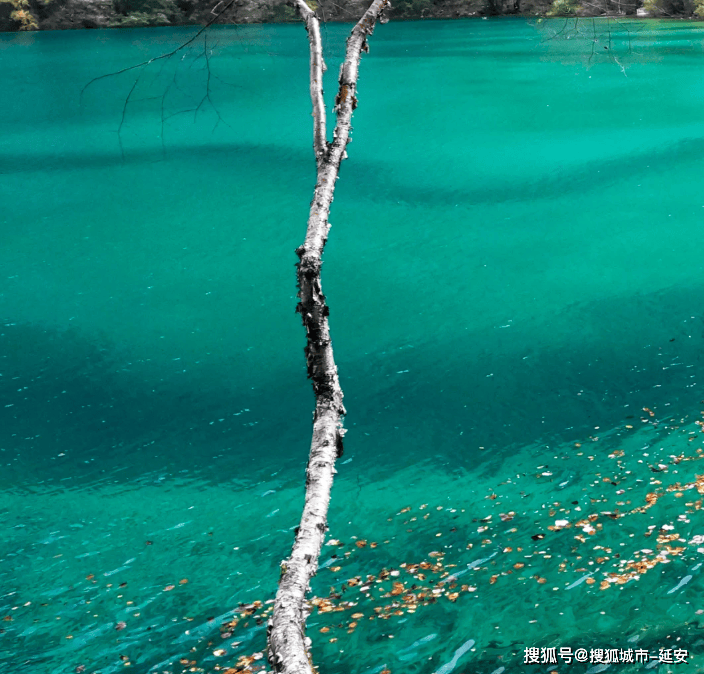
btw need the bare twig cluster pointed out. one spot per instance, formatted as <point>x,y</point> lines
<point>608,37</point>
<point>141,68</point>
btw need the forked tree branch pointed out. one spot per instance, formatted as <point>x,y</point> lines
<point>288,647</point>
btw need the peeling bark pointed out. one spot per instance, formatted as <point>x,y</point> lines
<point>288,647</point>
<point>317,68</point>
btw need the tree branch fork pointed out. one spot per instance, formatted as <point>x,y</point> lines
<point>288,646</point>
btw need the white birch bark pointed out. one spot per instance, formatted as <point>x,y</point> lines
<point>288,647</point>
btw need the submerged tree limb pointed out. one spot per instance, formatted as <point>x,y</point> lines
<point>288,647</point>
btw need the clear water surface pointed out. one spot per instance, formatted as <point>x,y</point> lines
<point>515,280</point>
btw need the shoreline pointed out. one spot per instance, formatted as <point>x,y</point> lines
<point>43,15</point>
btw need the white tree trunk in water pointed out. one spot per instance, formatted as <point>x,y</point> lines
<point>288,648</point>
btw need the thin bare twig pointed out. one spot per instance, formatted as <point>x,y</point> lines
<point>124,113</point>
<point>161,56</point>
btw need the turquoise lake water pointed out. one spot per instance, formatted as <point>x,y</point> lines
<point>517,306</point>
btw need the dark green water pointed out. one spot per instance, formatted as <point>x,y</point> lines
<point>514,273</point>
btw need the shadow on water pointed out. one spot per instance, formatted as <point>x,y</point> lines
<point>78,411</point>
<point>74,412</point>
<point>488,393</point>
<point>373,179</point>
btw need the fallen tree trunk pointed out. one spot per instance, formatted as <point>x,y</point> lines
<point>288,647</point>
